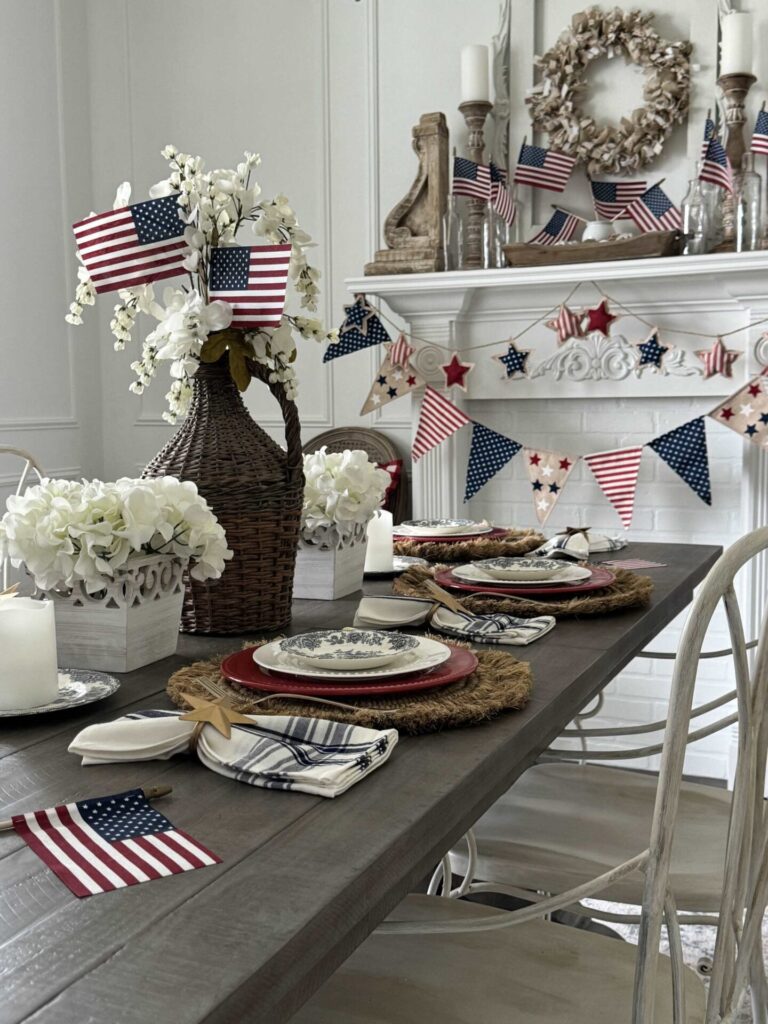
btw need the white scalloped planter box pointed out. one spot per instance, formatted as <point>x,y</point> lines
<point>132,622</point>
<point>329,563</point>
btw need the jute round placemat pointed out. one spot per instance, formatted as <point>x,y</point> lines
<point>499,683</point>
<point>516,542</point>
<point>628,590</point>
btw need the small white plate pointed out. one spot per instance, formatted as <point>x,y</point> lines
<point>76,687</point>
<point>427,655</point>
<point>441,528</point>
<point>514,570</point>
<point>347,649</point>
<point>471,574</point>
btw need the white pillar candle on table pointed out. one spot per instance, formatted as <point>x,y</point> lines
<point>474,73</point>
<point>28,665</point>
<point>736,44</point>
<point>379,553</point>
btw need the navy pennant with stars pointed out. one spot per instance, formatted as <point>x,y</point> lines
<point>361,329</point>
<point>489,453</point>
<point>684,449</point>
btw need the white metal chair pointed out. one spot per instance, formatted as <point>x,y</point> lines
<point>30,467</point>
<point>451,961</point>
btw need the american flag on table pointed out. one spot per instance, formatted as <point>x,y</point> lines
<point>611,198</point>
<point>710,131</point>
<point>133,245</point>
<point>501,197</point>
<point>110,842</point>
<point>253,280</point>
<point>715,165</point>
<point>759,143</point>
<point>543,168</point>
<point>655,211</point>
<point>616,473</point>
<point>470,179</point>
<point>560,227</point>
<point>438,420</point>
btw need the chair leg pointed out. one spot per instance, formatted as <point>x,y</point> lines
<point>758,987</point>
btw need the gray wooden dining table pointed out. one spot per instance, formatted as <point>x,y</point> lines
<point>303,879</point>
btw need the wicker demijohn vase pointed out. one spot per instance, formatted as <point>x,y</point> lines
<point>255,489</point>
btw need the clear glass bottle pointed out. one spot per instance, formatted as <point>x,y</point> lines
<point>694,216</point>
<point>490,248</point>
<point>453,236</point>
<point>748,187</point>
<point>713,197</point>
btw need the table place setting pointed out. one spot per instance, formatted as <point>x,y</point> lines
<point>458,540</point>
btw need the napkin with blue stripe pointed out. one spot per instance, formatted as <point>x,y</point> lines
<point>577,544</point>
<point>492,629</point>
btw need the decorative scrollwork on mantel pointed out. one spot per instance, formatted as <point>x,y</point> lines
<point>761,349</point>
<point>427,360</point>
<point>595,357</point>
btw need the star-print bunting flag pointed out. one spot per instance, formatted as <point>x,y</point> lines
<point>361,329</point>
<point>616,473</point>
<point>651,351</point>
<point>456,372</point>
<point>547,472</point>
<point>759,143</point>
<point>718,359</point>
<point>489,453</point>
<point>514,360</point>
<point>684,449</point>
<point>566,324</point>
<point>746,411</point>
<point>393,380</point>
<point>253,280</point>
<point>599,319</point>
<point>439,419</point>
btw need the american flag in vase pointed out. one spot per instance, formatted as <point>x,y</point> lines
<point>655,211</point>
<point>560,227</point>
<point>710,131</point>
<point>133,245</point>
<point>253,280</point>
<point>110,842</point>
<point>611,198</point>
<point>715,166</point>
<point>543,168</point>
<point>471,179</point>
<point>759,142</point>
<point>501,197</point>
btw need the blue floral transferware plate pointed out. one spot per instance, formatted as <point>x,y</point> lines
<point>348,649</point>
<point>76,687</point>
<point>441,527</point>
<point>514,569</point>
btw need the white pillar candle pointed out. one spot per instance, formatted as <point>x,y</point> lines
<point>474,73</point>
<point>379,553</point>
<point>28,666</point>
<point>736,44</point>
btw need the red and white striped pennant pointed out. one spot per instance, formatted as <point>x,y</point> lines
<point>616,473</point>
<point>439,419</point>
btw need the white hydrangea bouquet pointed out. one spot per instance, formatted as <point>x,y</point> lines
<point>342,491</point>
<point>71,534</point>
<point>214,205</point>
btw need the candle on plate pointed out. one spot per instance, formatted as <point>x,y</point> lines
<point>379,552</point>
<point>28,665</point>
<point>474,73</point>
<point>736,44</point>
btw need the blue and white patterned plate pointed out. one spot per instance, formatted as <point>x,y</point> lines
<point>441,528</point>
<point>514,569</point>
<point>348,649</point>
<point>76,686</point>
<point>426,656</point>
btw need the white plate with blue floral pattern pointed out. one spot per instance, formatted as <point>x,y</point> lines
<point>427,654</point>
<point>348,649</point>
<point>441,528</point>
<point>472,573</point>
<point>76,687</point>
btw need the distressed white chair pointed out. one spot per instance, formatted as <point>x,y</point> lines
<point>30,469</point>
<point>451,961</point>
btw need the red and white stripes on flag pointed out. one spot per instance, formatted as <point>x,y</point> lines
<point>616,473</point>
<point>253,280</point>
<point>400,352</point>
<point>438,420</point>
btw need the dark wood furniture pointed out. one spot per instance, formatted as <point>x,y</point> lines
<point>303,879</point>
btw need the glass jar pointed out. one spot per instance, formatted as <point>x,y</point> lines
<point>748,206</point>
<point>694,216</point>
<point>714,211</point>
<point>498,232</point>
<point>453,236</point>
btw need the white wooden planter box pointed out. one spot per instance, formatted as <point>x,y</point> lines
<point>132,622</point>
<point>330,568</point>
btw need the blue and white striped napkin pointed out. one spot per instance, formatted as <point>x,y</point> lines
<point>492,629</point>
<point>578,546</point>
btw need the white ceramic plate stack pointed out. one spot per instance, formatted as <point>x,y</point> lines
<point>538,572</point>
<point>442,528</point>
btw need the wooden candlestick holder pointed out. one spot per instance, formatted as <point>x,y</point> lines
<point>475,113</point>
<point>734,88</point>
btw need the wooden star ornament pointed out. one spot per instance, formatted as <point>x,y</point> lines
<point>718,359</point>
<point>217,713</point>
<point>599,319</point>
<point>456,372</point>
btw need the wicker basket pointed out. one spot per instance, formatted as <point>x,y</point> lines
<point>255,489</point>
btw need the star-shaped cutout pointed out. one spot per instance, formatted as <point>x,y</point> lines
<point>751,430</point>
<point>651,352</point>
<point>754,390</point>
<point>599,319</point>
<point>566,324</point>
<point>537,485</point>
<point>764,418</point>
<point>746,409</point>
<point>411,382</point>
<point>535,459</point>
<point>357,316</point>
<point>727,413</point>
<point>514,360</point>
<point>547,471</point>
<point>455,372</point>
<point>392,392</point>
<point>553,488</point>
<point>718,359</point>
<point>381,380</point>
<point>217,713</point>
<point>542,504</point>
<point>565,463</point>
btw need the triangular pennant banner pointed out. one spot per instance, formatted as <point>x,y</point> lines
<point>392,381</point>
<point>489,453</point>
<point>361,329</point>
<point>439,419</point>
<point>616,472</point>
<point>746,412</point>
<point>684,449</point>
<point>547,472</point>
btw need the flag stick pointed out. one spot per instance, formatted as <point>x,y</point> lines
<point>150,792</point>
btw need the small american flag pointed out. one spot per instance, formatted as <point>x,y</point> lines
<point>471,179</point>
<point>616,473</point>
<point>133,245</point>
<point>559,228</point>
<point>715,166</point>
<point>439,419</point>
<point>710,131</point>
<point>611,198</point>
<point>759,142</point>
<point>655,211</point>
<point>501,197</point>
<point>543,168</point>
<point>110,842</point>
<point>253,280</point>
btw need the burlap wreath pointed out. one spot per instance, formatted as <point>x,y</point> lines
<point>516,542</point>
<point>500,683</point>
<point>628,590</point>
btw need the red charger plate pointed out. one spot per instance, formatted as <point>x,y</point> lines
<point>494,534</point>
<point>600,578</point>
<point>241,668</point>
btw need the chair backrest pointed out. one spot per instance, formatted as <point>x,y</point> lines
<point>29,468</point>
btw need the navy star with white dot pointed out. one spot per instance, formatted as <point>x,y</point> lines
<point>514,361</point>
<point>651,352</point>
<point>685,451</point>
<point>361,329</point>
<point>488,453</point>
<point>157,219</point>
<point>123,816</point>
